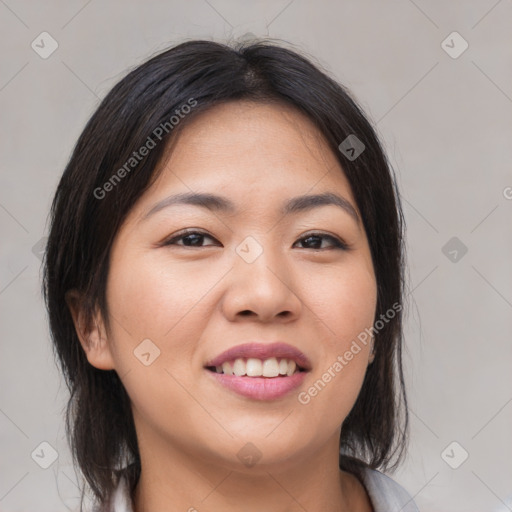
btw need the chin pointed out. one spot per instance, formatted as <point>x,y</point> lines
<point>264,452</point>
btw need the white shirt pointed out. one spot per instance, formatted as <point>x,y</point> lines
<point>385,494</point>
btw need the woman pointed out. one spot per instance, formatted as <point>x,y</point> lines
<point>224,281</point>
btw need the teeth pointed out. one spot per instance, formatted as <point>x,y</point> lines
<point>239,367</point>
<point>226,368</point>
<point>270,367</point>
<point>253,367</point>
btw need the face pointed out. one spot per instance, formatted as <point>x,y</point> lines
<point>188,282</point>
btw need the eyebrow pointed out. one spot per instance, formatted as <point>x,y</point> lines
<point>221,204</point>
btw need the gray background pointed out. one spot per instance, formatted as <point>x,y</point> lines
<point>446,123</point>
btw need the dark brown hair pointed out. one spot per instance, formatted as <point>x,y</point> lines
<point>99,422</point>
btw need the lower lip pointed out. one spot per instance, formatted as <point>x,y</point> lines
<point>260,388</point>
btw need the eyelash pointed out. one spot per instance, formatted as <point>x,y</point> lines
<point>338,244</point>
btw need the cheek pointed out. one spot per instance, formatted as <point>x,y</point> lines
<point>168,304</point>
<point>357,307</point>
<point>152,299</point>
<point>345,301</point>
<point>346,305</point>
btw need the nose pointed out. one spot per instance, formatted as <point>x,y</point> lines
<point>262,290</point>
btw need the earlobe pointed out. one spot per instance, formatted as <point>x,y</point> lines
<point>93,338</point>
<point>372,352</point>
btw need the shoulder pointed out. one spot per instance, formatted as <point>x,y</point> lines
<point>385,494</point>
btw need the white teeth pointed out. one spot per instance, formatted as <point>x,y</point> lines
<point>291,368</point>
<point>239,367</point>
<point>270,367</point>
<point>253,367</point>
<point>226,368</point>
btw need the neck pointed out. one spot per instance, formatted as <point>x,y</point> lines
<point>184,481</point>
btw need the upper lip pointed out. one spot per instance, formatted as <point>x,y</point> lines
<point>262,351</point>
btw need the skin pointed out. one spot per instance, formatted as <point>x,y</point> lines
<point>195,302</point>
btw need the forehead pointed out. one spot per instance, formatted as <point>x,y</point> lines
<point>250,152</point>
<point>241,128</point>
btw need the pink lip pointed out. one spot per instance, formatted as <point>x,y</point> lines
<point>263,351</point>
<point>260,388</point>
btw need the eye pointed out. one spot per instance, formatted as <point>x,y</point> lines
<point>190,239</point>
<point>315,240</point>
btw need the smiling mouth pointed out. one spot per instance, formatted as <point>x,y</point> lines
<point>253,367</point>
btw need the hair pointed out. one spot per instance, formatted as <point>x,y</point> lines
<point>99,422</point>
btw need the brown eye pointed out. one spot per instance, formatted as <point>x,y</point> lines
<point>189,239</point>
<point>314,241</point>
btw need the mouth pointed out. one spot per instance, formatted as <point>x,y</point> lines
<point>260,360</point>
<point>260,371</point>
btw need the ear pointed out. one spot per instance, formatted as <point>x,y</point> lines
<point>93,338</point>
